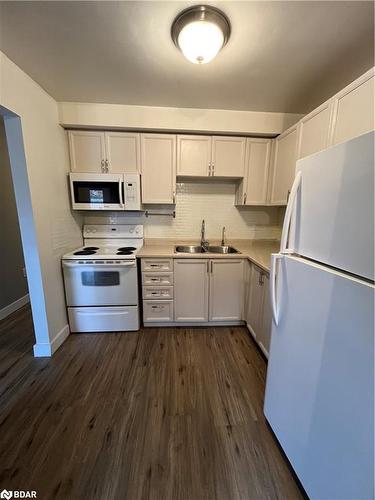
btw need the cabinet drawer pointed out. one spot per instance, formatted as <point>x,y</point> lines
<point>157,265</point>
<point>157,292</point>
<point>157,310</point>
<point>157,278</point>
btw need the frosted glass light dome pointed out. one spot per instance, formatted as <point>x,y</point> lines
<point>200,32</point>
<point>200,41</point>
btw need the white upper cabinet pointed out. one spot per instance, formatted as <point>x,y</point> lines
<point>158,168</point>
<point>253,189</point>
<point>228,156</point>
<point>104,152</point>
<point>354,109</point>
<point>191,290</point>
<point>123,152</point>
<point>194,155</point>
<point>314,130</point>
<point>226,290</point>
<point>284,166</point>
<point>87,151</point>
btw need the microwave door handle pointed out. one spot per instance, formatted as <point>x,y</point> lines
<point>120,187</point>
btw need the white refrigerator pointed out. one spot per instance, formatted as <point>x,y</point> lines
<point>319,397</point>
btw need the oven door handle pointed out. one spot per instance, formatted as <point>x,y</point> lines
<point>106,266</point>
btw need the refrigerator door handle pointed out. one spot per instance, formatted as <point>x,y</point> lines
<point>288,214</point>
<point>275,312</point>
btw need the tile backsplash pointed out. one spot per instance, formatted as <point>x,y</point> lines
<point>213,202</point>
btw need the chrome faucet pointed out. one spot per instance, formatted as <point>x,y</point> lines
<point>223,237</point>
<point>204,242</point>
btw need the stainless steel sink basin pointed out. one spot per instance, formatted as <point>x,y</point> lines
<point>189,249</point>
<point>222,249</point>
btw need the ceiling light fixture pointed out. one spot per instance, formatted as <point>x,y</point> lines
<point>200,32</point>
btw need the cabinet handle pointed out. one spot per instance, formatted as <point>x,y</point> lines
<point>174,197</point>
<point>106,165</point>
<point>209,169</point>
<point>103,164</point>
<point>244,198</point>
<point>261,278</point>
<point>287,196</point>
<point>213,169</point>
<point>208,266</point>
<point>212,266</point>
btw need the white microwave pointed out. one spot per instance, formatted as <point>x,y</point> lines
<point>105,191</point>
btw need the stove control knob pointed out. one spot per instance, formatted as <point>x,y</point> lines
<point>94,230</point>
<point>131,230</point>
<point>137,231</point>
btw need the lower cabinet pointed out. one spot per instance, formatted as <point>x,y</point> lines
<point>194,290</point>
<point>208,290</point>
<point>258,310</point>
<point>226,290</point>
<point>191,290</point>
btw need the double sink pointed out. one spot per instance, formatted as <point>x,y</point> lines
<point>222,249</point>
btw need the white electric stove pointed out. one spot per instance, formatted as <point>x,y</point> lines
<point>101,281</point>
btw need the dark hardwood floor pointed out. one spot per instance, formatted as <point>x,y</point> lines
<point>158,414</point>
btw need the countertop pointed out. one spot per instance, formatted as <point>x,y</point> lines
<point>257,251</point>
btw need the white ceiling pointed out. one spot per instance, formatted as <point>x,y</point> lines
<point>282,56</point>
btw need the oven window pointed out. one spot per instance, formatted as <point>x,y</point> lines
<point>96,192</point>
<point>100,278</point>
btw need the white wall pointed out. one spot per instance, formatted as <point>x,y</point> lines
<point>13,289</point>
<point>57,230</point>
<point>213,202</point>
<point>74,114</point>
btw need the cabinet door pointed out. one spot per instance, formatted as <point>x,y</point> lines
<point>191,290</point>
<point>284,166</point>
<point>266,322</point>
<point>158,168</point>
<point>228,156</point>
<point>87,151</point>
<point>314,130</point>
<point>123,152</point>
<point>354,109</point>
<point>255,303</point>
<point>226,290</point>
<point>257,170</point>
<point>193,155</point>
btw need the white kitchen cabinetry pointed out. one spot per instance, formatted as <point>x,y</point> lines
<point>123,152</point>
<point>253,189</point>
<point>87,151</point>
<point>314,130</point>
<point>211,156</point>
<point>158,168</point>
<point>191,280</point>
<point>354,109</point>
<point>104,152</point>
<point>226,290</point>
<point>258,310</point>
<point>283,167</point>
<point>228,156</point>
<point>194,155</point>
<point>157,290</point>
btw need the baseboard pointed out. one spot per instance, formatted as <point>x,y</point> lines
<point>154,324</point>
<point>46,349</point>
<point>11,308</point>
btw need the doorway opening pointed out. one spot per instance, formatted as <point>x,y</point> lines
<point>17,230</point>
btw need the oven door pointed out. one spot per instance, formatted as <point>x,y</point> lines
<point>96,191</point>
<point>100,284</point>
